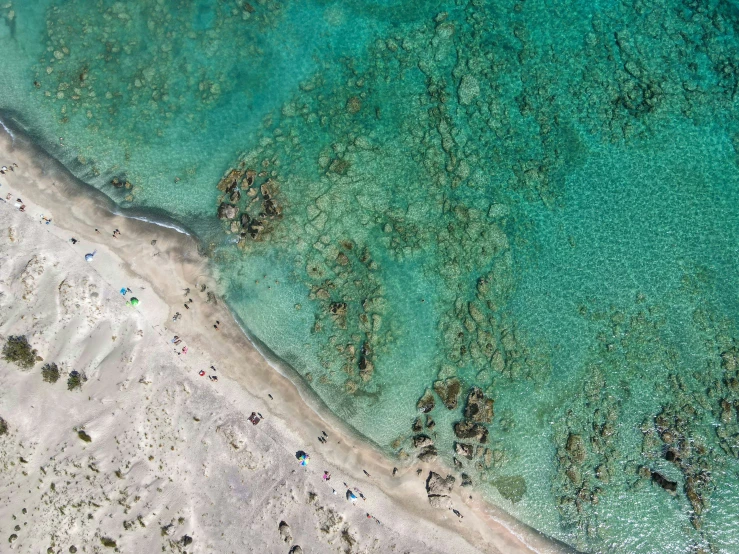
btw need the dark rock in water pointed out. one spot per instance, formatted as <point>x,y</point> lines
<point>227,211</point>
<point>466,450</point>
<point>448,390</point>
<point>338,308</point>
<point>664,482</point>
<point>285,532</point>
<point>436,484</point>
<point>672,456</point>
<point>469,430</point>
<point>271,208</point>
<point>479,408</point>
<point>249,179</point>
<point>576,448</point>
<point>430,423</point>
<point>428,454</point>
<point>118,182</point>
<point>245,220</point>
<point>419,441</point>
<point>466,480</point>
<point>366,367</point>
<point>255,227</point>
<point>229,180</point>
<point>457,463</point>
<point>235,196</point>
<point>417,427</point>
<point>426,403</point>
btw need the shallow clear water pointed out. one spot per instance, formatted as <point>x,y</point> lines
<point>538,199</point>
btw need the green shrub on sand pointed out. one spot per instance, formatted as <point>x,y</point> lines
<point>3,426</point>
<point>50,373</point>
<point>75,380</point>
<point>18,351</point>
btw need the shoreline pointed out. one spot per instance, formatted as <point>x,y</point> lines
<point>172,264</point>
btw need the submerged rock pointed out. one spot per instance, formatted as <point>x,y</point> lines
<point>448,391</point>
<point>479,409</point>
<point>426,403</point>
<point>227,211</point>
<point>428,454</point>
<point>419,441</point>
<point>663,482</point>
<point>469,430</point>
<point>417,426</point>
<point>576,448</point>
<point>466,450</point>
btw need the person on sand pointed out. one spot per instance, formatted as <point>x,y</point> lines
<point>456,513</point>
<point>184,349</point>
<point>367,474</point>
<point>326,476</point>
<point>176,316</point>
<point>73,240</point>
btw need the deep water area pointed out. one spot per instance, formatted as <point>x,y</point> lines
<point>504,234</point>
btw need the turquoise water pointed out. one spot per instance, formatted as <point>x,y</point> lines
<point>537,199</point>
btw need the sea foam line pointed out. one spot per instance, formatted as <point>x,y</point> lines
<point>153,222</point>
<point>7,130</point>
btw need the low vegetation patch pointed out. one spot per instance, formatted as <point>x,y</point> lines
<point>110,543</point>
<point>50,373</point>
<point>75,380</point>
<point>3,426</point>
<point>18,351</point>
<point>84,436</point>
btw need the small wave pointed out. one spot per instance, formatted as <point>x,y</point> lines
<point>7,130</point>
<point>158,223</point>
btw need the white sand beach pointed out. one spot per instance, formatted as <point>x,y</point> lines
<point>172,463</point>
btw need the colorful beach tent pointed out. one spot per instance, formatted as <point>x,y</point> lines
<point>134,301</point>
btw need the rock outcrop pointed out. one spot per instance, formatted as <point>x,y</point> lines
<point>426,402</point>
<point>469,430</point>
<point>479,408</point>
<point>438,489</point>
<point>448,390</point>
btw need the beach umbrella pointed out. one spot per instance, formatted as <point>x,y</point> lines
<point>134,301</point>
<point>90,256</point>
